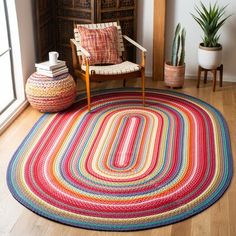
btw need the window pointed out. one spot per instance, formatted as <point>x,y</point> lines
<point>7,87</point>
<point>12,96</point>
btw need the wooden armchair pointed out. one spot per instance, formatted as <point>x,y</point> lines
<point>123,70</point>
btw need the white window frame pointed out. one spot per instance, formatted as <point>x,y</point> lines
<point>17,23</point>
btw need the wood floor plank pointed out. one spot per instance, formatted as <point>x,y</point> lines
<point>15,220</point>
<point>182,228</point>
<point>219,220</point>
<point>201,226</point>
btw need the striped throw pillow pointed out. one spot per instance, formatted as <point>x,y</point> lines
<point>102,44</point>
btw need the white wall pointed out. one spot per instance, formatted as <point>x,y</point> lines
<point>179,11</point>
<point>22,41</point>
<point>26,36</point>
<point>145,30</point>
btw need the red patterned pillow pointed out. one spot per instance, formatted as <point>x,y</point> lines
<point>102,44</point>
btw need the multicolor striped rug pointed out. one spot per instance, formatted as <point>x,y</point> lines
<point>124,166</point>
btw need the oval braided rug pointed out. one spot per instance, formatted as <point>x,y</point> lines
<point>124,166</point>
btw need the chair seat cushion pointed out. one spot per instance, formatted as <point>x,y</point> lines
<point>121,68</point>
<point>102,44</point>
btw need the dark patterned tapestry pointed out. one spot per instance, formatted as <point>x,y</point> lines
<point>58,18</point>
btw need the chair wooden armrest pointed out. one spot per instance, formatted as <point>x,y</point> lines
<point>75,58</point>
<point>79,47</point>
<point>135,43</point>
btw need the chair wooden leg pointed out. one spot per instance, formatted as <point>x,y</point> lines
<point>88,86</point>
<point>199,76</point>
<point>88,95</point>
<point>143,86</point>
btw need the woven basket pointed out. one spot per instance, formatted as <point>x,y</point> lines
<point>174,75</point>
<point>50,94</point>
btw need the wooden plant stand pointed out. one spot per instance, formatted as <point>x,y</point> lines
<point>214,71</point>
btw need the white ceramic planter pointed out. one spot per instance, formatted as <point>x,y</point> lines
<point>209,58</point>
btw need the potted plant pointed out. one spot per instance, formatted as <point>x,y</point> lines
<point>175,70</point>
<point>210,19</point>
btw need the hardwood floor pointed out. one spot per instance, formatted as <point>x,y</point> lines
<point>217,220</point>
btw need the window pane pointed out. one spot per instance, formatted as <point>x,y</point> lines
<point>6,86</point>
<point>4,45</point>
<point>6,78</point>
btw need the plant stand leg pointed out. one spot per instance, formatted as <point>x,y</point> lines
<point>221,74</point>
<point>214,79</point>
<point>124,83</point>
<point>214,72</point>
<point>205,76</point>
<point>199,76</point>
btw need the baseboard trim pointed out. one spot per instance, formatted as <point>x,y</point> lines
<point>225,78</point>
<point>11,114</point>
<point>148,73</point>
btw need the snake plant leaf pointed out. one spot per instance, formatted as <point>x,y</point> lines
<point>175,45</point>
<point>175,50</point>
<point>182,54</point>
<point>178,46</point>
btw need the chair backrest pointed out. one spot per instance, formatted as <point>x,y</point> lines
<point>101,26</point>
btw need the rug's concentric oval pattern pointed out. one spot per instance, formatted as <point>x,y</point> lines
<point>124,166</point>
